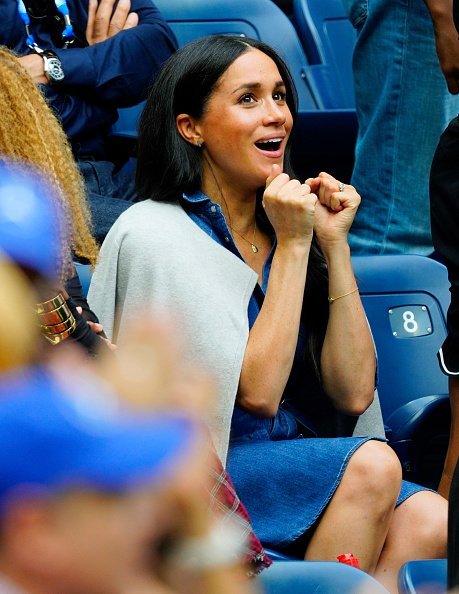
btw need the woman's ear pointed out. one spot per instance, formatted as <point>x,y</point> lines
<point>188,129</point>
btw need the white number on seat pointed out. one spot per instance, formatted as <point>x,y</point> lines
<point>409,323</point>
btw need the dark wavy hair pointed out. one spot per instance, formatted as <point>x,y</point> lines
<point>168,165</point>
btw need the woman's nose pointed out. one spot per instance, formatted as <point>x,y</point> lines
<point>274,113</point>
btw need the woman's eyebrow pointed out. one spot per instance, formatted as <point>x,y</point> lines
<point>251,86</point>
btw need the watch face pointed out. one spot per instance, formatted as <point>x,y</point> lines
<point>54,69</point>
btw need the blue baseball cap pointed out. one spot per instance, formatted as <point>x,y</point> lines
<point>59,437</point>
<point>31,221</point>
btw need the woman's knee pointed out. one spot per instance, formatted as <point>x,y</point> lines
<point>374,471</point>
<point>426,516</point>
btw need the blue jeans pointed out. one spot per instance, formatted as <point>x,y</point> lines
<point>403,106</point>
<point>110,191</point>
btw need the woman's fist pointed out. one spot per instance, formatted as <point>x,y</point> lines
<point>290,207</point>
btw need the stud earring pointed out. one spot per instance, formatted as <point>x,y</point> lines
<point>199,143</point>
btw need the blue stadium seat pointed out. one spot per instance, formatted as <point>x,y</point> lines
<point>406,300</point>
<point>261,19</point>
<point>84,274</point>
<point>276,556</point>
<point>423,577</point>
<point>318,577</point>
<point>328,39</point>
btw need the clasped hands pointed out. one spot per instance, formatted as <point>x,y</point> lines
<point>297,209</point>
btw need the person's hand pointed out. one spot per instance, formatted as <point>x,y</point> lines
<point>34,64</point>
<point>98,329</point>
<point>290,207</point>
<point>150,370</point>
<point>335,209</point>
<point>447,43</point>
<point>104,22</point>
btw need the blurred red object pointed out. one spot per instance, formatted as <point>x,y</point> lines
<point>349,559</point>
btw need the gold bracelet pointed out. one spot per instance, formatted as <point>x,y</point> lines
<point>58,328</point>
<point>56,316</point>
<point>333,299</point>
<point>57,338</point>
<point>54,303</point>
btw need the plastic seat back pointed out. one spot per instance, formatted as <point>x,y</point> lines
<point>406,299</point>
<point>261,19</point>
<point>84,274</point>
<point>328,39</point>
<point>318,577</point>
<point>418,577</point>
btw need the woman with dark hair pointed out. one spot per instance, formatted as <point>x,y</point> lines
<point>256,265</point>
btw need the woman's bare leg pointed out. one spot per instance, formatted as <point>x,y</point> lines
<point>357,518</point>
<point>418,531</point>
<point>453,446</point>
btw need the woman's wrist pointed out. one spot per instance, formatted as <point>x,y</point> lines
<point>336,251</point>
<point>440,10</point>
<point>294,247</point>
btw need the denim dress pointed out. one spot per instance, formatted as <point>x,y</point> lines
<point>285,475</point>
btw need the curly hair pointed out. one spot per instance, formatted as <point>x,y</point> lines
<point>29,132</point>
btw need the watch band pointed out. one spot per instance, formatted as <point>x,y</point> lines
<point>52,67</point>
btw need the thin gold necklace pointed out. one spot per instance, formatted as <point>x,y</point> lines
<point>252,243</point>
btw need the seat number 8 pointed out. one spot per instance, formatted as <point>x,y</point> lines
<point>409,322</point>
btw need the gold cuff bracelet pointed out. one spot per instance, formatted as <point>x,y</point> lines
<point>51,304</point>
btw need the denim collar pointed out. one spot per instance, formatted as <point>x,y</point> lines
<point>200,201</point>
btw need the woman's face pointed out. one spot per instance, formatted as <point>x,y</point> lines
<point>246,124</point>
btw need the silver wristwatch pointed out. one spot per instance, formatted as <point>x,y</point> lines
<point>52,67</point>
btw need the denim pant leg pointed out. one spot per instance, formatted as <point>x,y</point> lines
<point>403,105</point>
<point>110,191</point>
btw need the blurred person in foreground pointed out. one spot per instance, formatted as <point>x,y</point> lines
<point>79,477</point>
<point>78,512</point>
<point>16,300</point>
<point>103,493</point>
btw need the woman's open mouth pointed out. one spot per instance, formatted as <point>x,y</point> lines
<point>271,147</point>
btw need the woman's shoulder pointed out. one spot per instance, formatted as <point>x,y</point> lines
<point>146,221</point>
<point>149,213</point>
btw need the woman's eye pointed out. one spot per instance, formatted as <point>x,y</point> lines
<point>247,99</point>
<point>280,96</point>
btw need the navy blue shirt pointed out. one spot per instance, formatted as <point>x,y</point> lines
<point>245,426</point>
<point>209,217</point>
<point>99,78</point>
